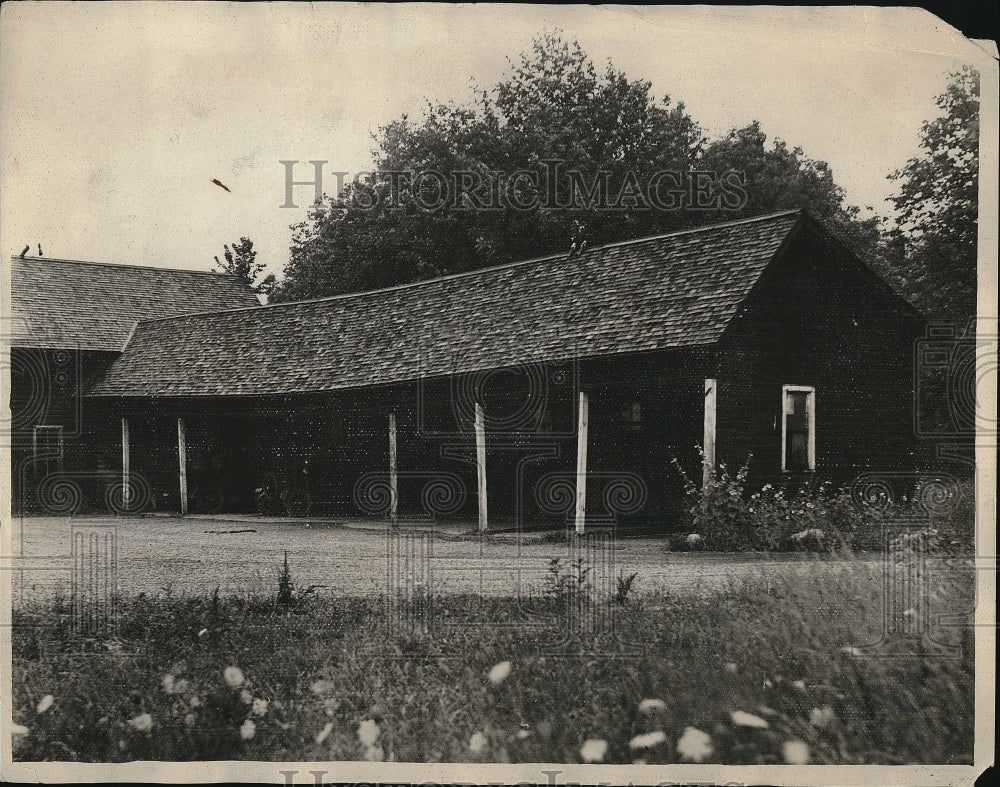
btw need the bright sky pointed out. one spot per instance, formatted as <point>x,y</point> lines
<point>116,117</point>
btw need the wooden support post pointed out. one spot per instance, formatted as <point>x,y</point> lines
<point>481,465</point>
<point>581,463</point>
<point>182,464</point>
<point>126,494</point>
<point>708,466</point>
<point>393,476</point>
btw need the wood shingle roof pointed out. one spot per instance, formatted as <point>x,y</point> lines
<point>66,304</point>
<point>668,291</point>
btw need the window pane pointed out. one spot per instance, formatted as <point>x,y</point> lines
<point>797,430</point>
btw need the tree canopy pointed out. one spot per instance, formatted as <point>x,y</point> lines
<point>610,161</point>
<point>932,250</point>
<point>241,261</point>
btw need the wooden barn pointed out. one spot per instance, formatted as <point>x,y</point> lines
<point>557,389</point>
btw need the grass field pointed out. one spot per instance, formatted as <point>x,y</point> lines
<point>766,671</point>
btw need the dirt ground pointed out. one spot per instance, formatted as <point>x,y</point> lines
<point>194,555</point>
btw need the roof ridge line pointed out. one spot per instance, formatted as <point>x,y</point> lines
<point>120,265</point>
<point>479,271</point>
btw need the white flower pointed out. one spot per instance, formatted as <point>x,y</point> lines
<point>368,732</point>
<point>799,684</point>
<point>693,538</point>
<point>648,740</point>
<point>795,752</point>
<point>499,673</point>
<point>743,719</point>
<point>694,745</point>
<point>593,750</point>
<point>189,719</point>
<point>649,707</point>
<point>233,677</point>
<point>18,729</point>
<point>321,687</point>
<point>820,717</point>
<point>248,730</point>
<point>45,703</point>
<point>374,754</point>
<point>324,733</point>
<point>169,683</point>
<point>195,701</point>
<point>143,722</point>
<point>259,707</point>
<point>477,743</point>
<point>730,667</point>
<point>523,734</point>
<point>246,697</point>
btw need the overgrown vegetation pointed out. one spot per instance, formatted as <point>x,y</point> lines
<point>767,672</point>
<point>724,515</point>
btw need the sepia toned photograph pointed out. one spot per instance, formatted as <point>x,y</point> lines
<point>531,394</point>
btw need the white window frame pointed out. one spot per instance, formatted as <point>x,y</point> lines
<point>810,392</point>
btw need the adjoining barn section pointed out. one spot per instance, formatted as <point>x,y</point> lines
<point>555,389</point>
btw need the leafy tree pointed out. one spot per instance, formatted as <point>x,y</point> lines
<point>612,137</point>
<point>932,250</point>
<point>783,178</point>
<point>241,261</point>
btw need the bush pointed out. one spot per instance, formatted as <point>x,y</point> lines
<point>722,517</point>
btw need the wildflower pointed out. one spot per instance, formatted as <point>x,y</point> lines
<point>143,722</point>
<point>477,743</point>
<point>799,684</point>
<point>233,677</point>
<point>321,687</point>
<point>248,730</point>
<point>374,754</point>
<point>324,733</point>
<point>45,703</point>
<point>593,750</point>
<point>730,667</point>
<point>168,683</point>
<point>650,707</point>
<point>195,701</point>
<point>648,740</point>
<point>189,719</point>
<point>821,717</point>
<point>246,697</point>
<point>259,707</point>
<point>694,745</point>
<point>795,752</point>
<point>523,734</point>
<point>743,719</point>
<point>18,729</point>
<point>499,673</point>
<point>368,732</point>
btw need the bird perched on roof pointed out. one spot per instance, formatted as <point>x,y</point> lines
<point>39,249</point>
<point>220,184</point>
<point>24,251</point>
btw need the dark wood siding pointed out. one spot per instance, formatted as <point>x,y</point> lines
<point>820,318</point>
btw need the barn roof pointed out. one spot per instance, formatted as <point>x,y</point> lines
<point>60,304</point>
<point>674,290</point>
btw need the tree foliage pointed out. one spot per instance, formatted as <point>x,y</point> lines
<point>554,104</point>
<point>241,261</point>
<point>932,251</point>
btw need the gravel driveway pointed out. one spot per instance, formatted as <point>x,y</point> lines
<point>194,555</point>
